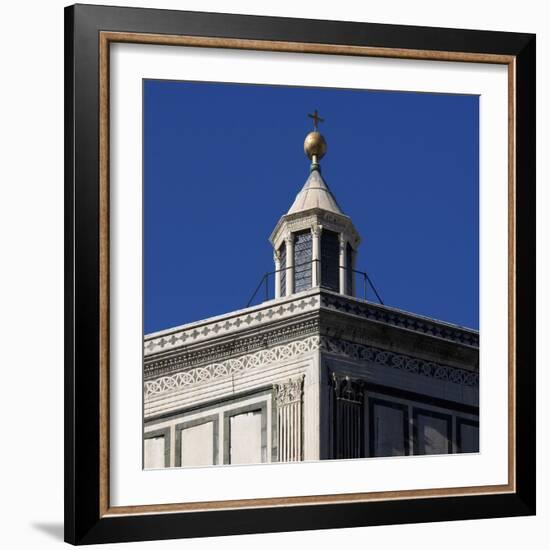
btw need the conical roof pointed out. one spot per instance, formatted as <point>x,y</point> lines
<point>315,194</point>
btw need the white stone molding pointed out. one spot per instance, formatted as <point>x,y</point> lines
<point>231,367</point>
<point>292,350</point>
<point>288,397</point>
<point>229,324</point>
<point>293,223</point>
<point>254,317</point>
<point>183,360</point>
<point>400,319</point>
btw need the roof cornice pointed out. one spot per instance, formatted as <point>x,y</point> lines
<point>288,318</point>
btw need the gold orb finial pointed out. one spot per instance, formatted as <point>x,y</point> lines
<point>315,145</point>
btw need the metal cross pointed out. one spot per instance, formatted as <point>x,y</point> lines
<point>316,119</point>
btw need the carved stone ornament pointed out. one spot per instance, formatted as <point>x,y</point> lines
<point>400,319</point>
<point>245,363</point>
<point>228,368</point>
<point>289,392</point>
<point>347,389</point>
<point>221,327</point>
<point>412,365</point>
<point>316,229</point>
<point>342,241</point>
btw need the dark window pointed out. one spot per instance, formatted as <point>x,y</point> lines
<point>302,261</point>
<point>389,428</point>
<point>432,432</point>
<point>330,257</point>
<point>282,252</point>
<point>349,269</point>
<point>467,437</point>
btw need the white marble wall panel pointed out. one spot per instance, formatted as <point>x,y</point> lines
<point>154,452</point>
<point>218,411</point>
<point>197,445</point>
<point>262,377</point>
<point>246,438</point>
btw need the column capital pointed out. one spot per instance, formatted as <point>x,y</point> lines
<point>346,388</point>
<point>316,229</point>
<point>342,240</point>
<point>290,391</point>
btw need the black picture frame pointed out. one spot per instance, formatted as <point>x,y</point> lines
<point>84,521</point>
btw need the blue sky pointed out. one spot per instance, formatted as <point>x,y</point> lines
<point>223,162</point>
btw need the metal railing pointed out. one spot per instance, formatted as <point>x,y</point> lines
<point>266,283</point>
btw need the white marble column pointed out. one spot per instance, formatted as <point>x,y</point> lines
<point>316,255</point>
<point>277,260</point>
<point>288,397</point>
<point>289,264</point>
<point>342,263</point>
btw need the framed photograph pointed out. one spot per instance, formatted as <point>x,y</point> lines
<point>300,267</point>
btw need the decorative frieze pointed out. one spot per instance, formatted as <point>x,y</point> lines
<point>399,361</point>
<point>229,367</point>
<point>284,310</point>
<point>298,222</point>
<point>291,350</point>
<point>288,397</point>
<point>234,348</point>
<point>250,319</point>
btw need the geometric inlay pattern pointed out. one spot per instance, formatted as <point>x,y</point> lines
<point>229,367</point>
<point>400,362</point>
<point>233,348</point>
<point>247,320</point>
<point>245,363</point>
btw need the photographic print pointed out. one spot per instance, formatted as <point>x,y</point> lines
<point>311,274</point>
<point>299,274</point>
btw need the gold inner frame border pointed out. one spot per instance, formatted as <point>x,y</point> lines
<point>105,40</point>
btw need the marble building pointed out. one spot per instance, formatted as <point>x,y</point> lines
<point>315,373</point>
